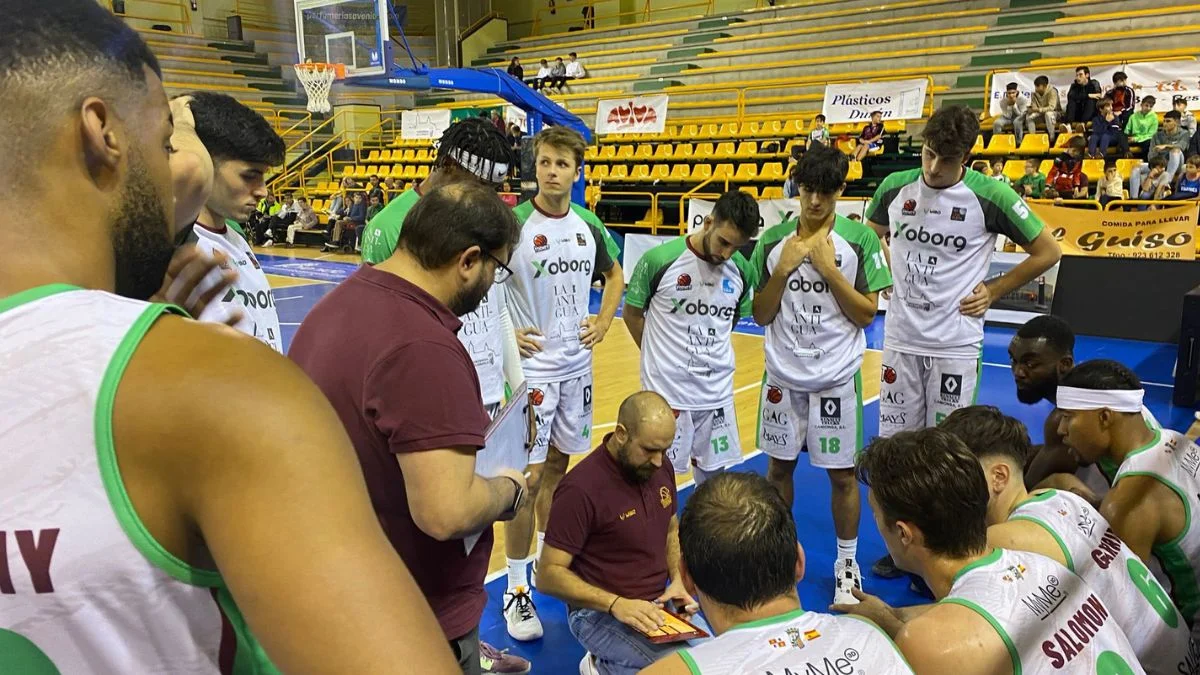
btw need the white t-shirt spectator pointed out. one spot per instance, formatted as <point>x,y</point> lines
<point>576,70</point>
<point>543,72</point>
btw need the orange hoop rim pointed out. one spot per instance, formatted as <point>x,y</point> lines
<point>339,69</point>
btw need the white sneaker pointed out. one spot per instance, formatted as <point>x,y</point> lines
<point>587,666</point>
<point>533,573</point>
<point>521,616</point>
<point>846,578</point>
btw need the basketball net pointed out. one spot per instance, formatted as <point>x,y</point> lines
<point>317,79</point>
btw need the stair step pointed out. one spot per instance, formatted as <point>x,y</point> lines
<point>256,60</point>
<point>271,86</point>
<point>672,68</point>
<point>966,81</point>
<point>655,84</point>
<point>1036,17</point>
<point>689,53</point>
<point>286,100</point>
<point>1017,38</point>
<point>719,22</point>
<point>702,39</point>
<point>1018,4</point>
<point>1013,59</point>
<point>273,72</point>
<point>230,46</point>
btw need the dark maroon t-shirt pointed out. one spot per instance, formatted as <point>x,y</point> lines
<point>386,356</point>
<point>616,531</point>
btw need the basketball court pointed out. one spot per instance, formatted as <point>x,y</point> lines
<point>301,278</point>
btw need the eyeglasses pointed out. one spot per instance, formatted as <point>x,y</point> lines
<point>503,272</point>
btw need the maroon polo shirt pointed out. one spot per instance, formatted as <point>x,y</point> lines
<point>616,531</point>
<point>386,355</point>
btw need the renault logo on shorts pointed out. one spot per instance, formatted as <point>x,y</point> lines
<point>831,410</point>
<point>951,386</point>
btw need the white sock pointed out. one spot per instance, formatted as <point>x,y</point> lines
<point>518,574</point>
<point>541,539</point>
<point>847,548</point>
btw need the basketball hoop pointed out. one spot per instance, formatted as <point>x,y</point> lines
<point>317,79</point>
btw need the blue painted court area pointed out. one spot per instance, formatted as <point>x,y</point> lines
<point>558,652</point>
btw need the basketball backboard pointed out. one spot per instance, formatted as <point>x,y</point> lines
<point>350,32</point>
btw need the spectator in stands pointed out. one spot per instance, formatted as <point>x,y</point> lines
<point>982,167</point>
<point>1033,183</point>
<point>1170,143</point>
<point>1013,109</point>
<point>374,189</point>
<point>1123,99</point>
<point>1188,185</point>
<point>543,75</point>
<point>998,172</point>
<point>1106,128</point>
<point>356,220</point>
<point>1111,186</point>
<point>1082,98</point>
<point>1145,182</point>
<point>498,121</point>
<point>818,134</point>
<point>1143,125</point>
<point>515,136</point>
<point>374,206</point>
<point>306,219</point>
<point>1186,119</point>
<point>274,226</point>
<point>392,186</point>
<point>1044,105</point>
<point>337,210</point>
<point>871,137</point>
<point>515,69</point>
<point>1051,193</point>
<point>558,75</point>
<point>575,69</point>
<point>1067,175</point>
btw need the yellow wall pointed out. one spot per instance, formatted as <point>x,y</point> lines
<point>476,44</point>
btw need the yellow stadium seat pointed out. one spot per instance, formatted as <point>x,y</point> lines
<point>587,171</point>
<point>772,171</point>
<point>690,132</point>
<point>1014,168</point>
<point>750,190</point>
<point>1061,141</point>
<point>660,172</point>
<point>772,192</point>
<point>423,155</point>
<point>670,132</point>
<point>663,151</point>
<point>787,149</point>
<point>397,171</point>
<point>591,153</point>
<point>387,157</point>
<point>1001,144</point>
<point>1093,169</point>
<point>625,152</point>
<point>845,129</point>
<point>410,155</point>
<point>360,171</point>
<point>725,150</point>
<point>600,172</point>
<point>978,147</point>
<point>727,130</point>
<point>793,127</point>
<point>644,152</point>
<point>608,152</point>
<point>724,171</point>
<point>846,145</point>
<point>681,172</point>
<point>318,204</point>
<point>619,173</point>
<point>746,173</point>
<point>710,130</point>
<point>683,151</point>
<point>1034,144</point>
<point>748,130</point>
<point>701,172</point>
<point>746,149</point>
<point>855,172</point>
<point>705,151</point>
<point>423,171</point>
<point>348,170</point>
<point>1125,167</point>
<point>373,157</point>
<point>1045,167</point>
<point>640,174</point>
<point>771,128</point>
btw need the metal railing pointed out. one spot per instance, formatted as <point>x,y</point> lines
<point>613,19</point>
<point>1085,203</point>
<point>184,20</point>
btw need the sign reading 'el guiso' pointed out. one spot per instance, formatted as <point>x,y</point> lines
<point>1166,234</point>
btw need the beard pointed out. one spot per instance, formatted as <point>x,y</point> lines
<point>141,236</point>
<point>1037,391</point>
<point>469,298</point>
<point>637,475</point>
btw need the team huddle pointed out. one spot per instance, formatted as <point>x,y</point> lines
<point>151,528</point>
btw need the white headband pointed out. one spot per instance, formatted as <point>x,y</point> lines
<point>480,166</point>
<point>1117,400</point>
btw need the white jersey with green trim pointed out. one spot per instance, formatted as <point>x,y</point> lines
<point>691,306</point>
<point>1156,630</point>
<point>84,589</point>
<point>942,245</point>
<point>1174,461</point>
<point>480,334</point>
<point>812,345</point>
<point>1050,620</point>
<point>251,293</point>
<point>798,642</point>
<point>553,266</point>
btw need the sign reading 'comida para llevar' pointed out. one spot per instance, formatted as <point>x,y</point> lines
<point>1166,234</point>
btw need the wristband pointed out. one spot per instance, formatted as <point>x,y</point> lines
<point>613,604</point>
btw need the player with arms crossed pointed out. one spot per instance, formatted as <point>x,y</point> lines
<point>563,248</point>
<point>243,147</point>
<point>1064,527</point>
<point>1000,611</point>
<point>741,560</point>
<point>1154,503</point>
<point>819,278</point>
<point>123,557</point>
<point>943,220</point>
<point>684,298</point>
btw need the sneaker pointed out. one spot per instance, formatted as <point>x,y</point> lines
<point>886,567</point>
<point>521,616</point>
<point>588,665</point>
<point>533,575</point>
<point>492,660</point>
<point>846,578</point>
